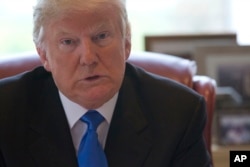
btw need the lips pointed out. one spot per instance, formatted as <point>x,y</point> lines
<point>92,78</point>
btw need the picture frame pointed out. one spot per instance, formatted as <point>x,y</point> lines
<point>233,127</point>
<point>184,45</point>
<point>208,58</point>
<point>229,66</point>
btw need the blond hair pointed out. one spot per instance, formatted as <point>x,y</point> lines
<point>46,10</point>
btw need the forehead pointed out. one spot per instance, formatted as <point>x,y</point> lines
<point>83,20</point>
<point>93,7</point>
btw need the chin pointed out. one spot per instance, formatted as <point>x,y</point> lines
<point>95,99</point>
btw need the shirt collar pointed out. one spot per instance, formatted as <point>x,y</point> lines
<point>74,111</point>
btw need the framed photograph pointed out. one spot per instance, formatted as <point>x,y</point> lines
<point>184,45</point>
<point>228,65</point>
<point>234,128</point>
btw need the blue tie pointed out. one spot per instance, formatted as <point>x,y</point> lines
<point>90,152</point>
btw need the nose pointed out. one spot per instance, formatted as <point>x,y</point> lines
<point>87,53</point>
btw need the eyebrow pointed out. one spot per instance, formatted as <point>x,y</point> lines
<point>62,32</point>
<point>101,25</point>
<point>93,28</point>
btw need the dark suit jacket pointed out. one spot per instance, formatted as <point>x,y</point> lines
<point>156,123</point>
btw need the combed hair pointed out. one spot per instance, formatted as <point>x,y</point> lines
<point>46,10</point>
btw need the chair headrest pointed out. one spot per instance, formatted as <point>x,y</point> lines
<point>179,69</point>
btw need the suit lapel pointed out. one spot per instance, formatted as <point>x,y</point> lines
<point>129,138</point>
<point>49,136</point>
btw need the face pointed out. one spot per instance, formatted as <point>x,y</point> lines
<point>86,54</point>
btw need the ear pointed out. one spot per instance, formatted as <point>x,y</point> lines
<point>43,57</point>
<point>127,41</point>
<point>127,47</point>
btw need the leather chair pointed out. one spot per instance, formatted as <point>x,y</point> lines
<point>179,69</point>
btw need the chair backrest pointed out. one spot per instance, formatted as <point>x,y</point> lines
<point>179,69</point>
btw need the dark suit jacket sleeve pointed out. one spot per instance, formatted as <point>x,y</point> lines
<point>178,118</point>
<point>1,160</point>
<point>191,150</point>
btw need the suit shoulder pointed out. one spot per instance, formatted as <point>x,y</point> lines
<point>157,85</point>
<point>38,72</point>
<point>22,82</point>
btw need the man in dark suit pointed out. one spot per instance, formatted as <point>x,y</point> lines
<point>149,121</point>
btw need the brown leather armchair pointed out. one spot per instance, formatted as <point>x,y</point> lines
<point>181,70</point>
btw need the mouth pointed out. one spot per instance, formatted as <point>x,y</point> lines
<point>92,78</point>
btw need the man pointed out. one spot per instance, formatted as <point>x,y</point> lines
<point>149,121</point>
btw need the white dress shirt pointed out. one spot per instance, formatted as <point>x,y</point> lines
<point>78,128</point>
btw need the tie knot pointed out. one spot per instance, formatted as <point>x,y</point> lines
<point>93,119</point>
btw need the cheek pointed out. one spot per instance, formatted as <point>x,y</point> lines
<point>62,69</point>
<point>63,79</point>
<point>118,52</point>
<point>118,69</point>
<point>60,62</point>
<point>116,63</point>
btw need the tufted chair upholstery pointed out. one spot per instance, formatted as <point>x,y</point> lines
<point>179,69</point>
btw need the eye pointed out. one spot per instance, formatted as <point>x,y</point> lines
<point>101,36</point>
<point>68,42</point>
